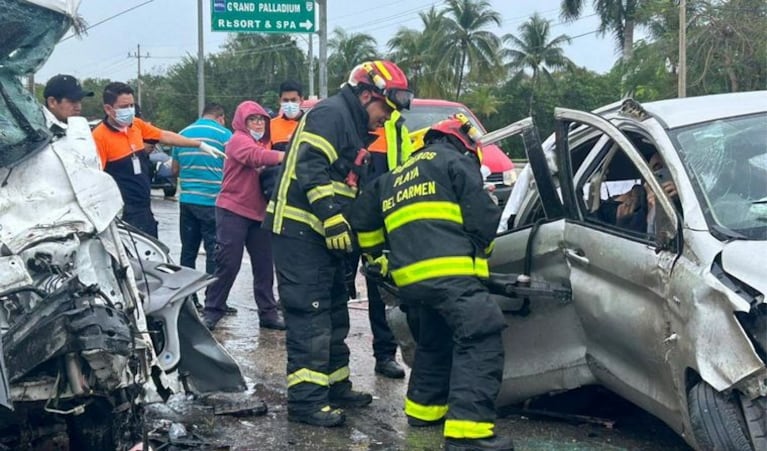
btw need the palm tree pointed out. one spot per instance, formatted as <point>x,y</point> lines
<point>348,50</point>
<point>618,16</point>
<point>467,44</point>
<point>534,51</point>
<point>410,50</point>
<point>416,53</point>
<point>483,102</point>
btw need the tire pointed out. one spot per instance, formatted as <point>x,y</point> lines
<point>101,428</point>
<point>717,420</point>
<point>755,413</point>
<point>94,429</point>
<point>169,192</point>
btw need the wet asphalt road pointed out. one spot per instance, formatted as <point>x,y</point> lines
<point>382,425</point>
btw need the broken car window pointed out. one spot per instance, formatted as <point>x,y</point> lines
<point>27,38</point>
<point>727,160</point>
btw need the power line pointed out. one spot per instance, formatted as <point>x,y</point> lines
<point>367,9</point>
<point>109,18</point>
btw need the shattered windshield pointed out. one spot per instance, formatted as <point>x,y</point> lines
<point>728,162</point>
<point>27,37</point>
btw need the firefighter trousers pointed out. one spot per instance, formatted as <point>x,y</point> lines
<point>459,355</point>
<point>313,295</point>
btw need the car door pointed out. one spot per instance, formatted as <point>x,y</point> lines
<point>538,360</point>
<point>619,276</point>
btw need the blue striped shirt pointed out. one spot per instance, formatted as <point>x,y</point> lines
<point>200,174</point>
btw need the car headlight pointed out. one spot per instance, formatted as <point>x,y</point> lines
<point>509,177</point>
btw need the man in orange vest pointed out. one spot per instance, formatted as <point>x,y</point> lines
<point>282,126</point>
<point>281,129</point>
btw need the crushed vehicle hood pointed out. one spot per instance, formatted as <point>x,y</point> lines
<point>747,260</point>
<point>75,196</point>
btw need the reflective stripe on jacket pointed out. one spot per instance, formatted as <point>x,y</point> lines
<point>432,213</point>
<point>392,147</point>
<point>311,186</point>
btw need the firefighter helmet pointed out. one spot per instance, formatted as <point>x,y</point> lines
<point>460,131</point>
<point>385,80</point>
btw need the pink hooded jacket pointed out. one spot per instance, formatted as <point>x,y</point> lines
<point>241,189</point>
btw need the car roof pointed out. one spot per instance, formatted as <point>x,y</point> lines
<point>435,102</point>
<point>309,103</point>
<point>674,113</point>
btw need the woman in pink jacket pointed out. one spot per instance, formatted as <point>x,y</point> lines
<point>240,209</point>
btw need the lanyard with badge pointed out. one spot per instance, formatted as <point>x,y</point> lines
<point>136,162</point>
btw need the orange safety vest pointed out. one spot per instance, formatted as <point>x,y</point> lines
<point>282,128</point>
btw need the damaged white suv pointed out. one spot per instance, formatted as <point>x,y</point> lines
<point>632,255</point>
<point>655,220</point>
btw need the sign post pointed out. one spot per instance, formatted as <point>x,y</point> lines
<point>258,16</point>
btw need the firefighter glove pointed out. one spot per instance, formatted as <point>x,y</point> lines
<point>210,150</point>
<point>380,263</point>
<point>338,233</point>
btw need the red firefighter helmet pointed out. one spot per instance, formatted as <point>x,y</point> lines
<point>385,80</point>
<point>460,131</point>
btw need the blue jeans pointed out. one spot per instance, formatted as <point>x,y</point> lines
<point>197,224</point>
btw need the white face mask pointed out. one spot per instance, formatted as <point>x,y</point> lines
<point>256,135</point>
<point>124,116</point>
<point>290,109</point>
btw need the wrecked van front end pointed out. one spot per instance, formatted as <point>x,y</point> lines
<point>74,341</point>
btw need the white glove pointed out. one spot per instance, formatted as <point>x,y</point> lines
<point>212,151</point>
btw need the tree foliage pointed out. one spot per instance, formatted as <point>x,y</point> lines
<point>455,54</point>
<point>534,51</point>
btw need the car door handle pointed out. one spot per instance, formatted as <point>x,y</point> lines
<point>577,255</point>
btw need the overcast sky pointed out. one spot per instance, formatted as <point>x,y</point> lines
<point>167,30</point>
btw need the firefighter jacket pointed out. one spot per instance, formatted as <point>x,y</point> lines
<point>311,186</point>
<point>391,147</point>
<point>432,213</point>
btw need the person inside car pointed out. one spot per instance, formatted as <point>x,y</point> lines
<point>635,209</point>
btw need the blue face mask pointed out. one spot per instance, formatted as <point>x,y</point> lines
<point>290,109</point>
<point>124,116</point>
<point>256,135</point>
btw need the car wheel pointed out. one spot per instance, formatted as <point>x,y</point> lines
<point>717,420</point>
<point>755,413</point>
<point>102,428</point>
<point>169,192</point>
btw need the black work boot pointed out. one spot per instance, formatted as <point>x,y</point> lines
<point>390,368</point>
<point>419,423</point>
<point>495,443</point>
<point>342,395</point>
<point>325,417</point>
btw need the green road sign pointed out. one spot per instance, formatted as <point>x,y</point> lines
<point>256,16</point>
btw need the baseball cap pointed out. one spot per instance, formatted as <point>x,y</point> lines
<point>65,86</point>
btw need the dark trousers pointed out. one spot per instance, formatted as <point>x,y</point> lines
<point>313,295</point>
<point>141,218</point>
<point>233,233</point>
<point>197,224</point>
<point>459,353</point>
<point>384,343</point>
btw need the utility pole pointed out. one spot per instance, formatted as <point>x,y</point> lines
<point>323,4</point>
<point>31,84</point>
<point>200,62</point>
<point>311,65</point>
<point>138,56</point>
<point>682,68</point>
